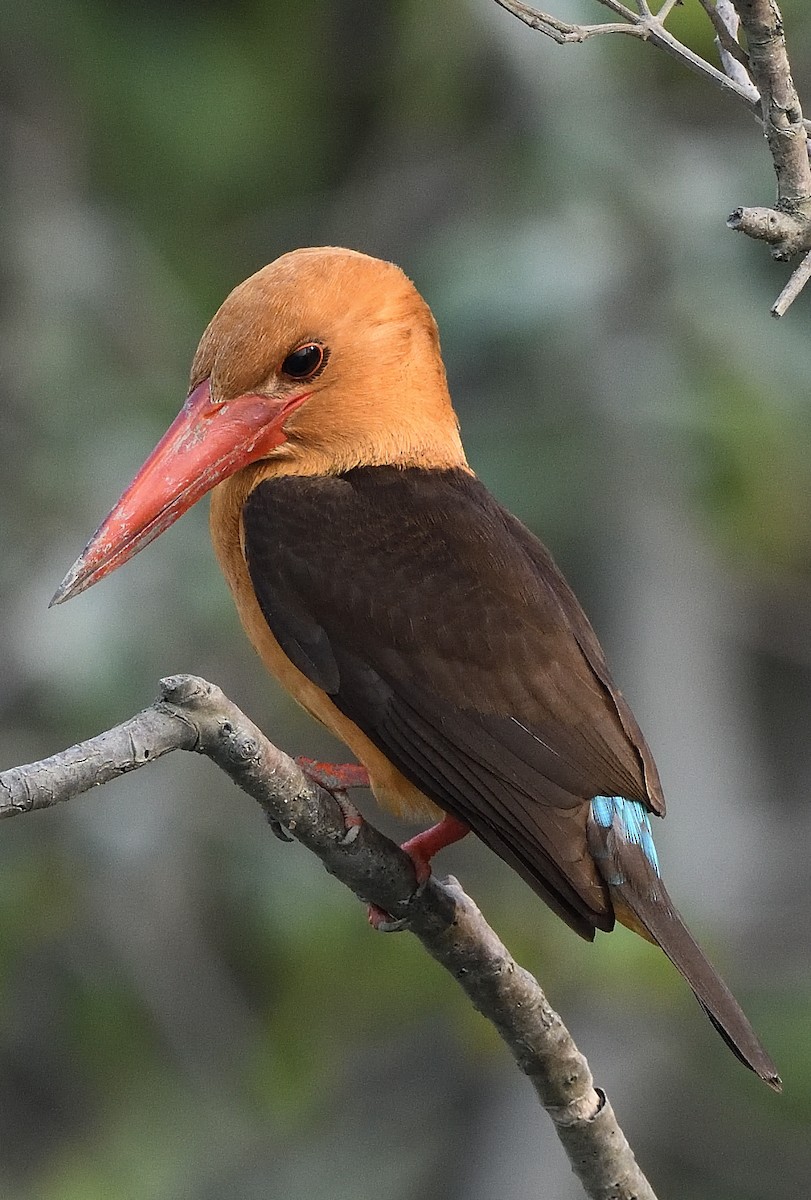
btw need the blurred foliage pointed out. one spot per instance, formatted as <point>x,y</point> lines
<point>190,1010</point>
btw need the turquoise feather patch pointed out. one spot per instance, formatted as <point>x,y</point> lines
<point>634,822</point>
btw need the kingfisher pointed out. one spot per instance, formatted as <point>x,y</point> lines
<point>402,606</point>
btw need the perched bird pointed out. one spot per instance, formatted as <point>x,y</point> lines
<point>401,605</point>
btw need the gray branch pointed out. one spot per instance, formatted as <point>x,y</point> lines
<point>760,76</point>
<point>644,24</point>
<point>780,106</point>
<point>787,226</point>
<point>192,714</point>
<point>734,58</point>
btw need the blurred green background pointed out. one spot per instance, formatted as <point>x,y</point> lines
<point>190,1010</point>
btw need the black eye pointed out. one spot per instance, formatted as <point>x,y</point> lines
<point>304,362</point>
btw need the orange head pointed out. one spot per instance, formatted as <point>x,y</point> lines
<point>324,360</point>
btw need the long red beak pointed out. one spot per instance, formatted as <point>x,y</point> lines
<point>205,444</point>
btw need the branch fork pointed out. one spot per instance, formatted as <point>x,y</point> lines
<point>759,75</point>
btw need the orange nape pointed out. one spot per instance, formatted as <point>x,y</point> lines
<point>401,605</point>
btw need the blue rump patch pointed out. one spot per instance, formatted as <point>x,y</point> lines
<point>634,821</point>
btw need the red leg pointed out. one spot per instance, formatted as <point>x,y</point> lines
<point>421,849</point>
<point>336,778</point>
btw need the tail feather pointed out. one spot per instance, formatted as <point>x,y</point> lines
<point>621,843</point>
<point>665,927</point>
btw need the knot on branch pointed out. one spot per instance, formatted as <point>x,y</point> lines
<point>242,748</point>
<point>585,1107</point>
<point>786,228</point>
<point>189,691</point>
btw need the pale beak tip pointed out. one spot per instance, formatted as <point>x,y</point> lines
<point>70,586</point>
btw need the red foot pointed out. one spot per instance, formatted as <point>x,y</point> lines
<point>335,777</point>
<point>421,849</point>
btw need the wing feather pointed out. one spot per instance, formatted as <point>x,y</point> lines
<point>440,626</point>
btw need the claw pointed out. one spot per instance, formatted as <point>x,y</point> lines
<point>383,922</point>
<point>352,818</point>
<point>420,849</point>
<point>335,778</point>
<point>279,831</point>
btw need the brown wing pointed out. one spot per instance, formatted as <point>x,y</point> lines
<point>440,626</point>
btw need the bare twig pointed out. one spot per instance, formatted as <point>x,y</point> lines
<point>194,715</point>
<point>643,24</point>
<point>788,225</point>
<point>793,288</point>
<point>782,114</point>
<point>761,78</point>
<point>564,32</point>
<point>621,10</point>
<point>734,58</point>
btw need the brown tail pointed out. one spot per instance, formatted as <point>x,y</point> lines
<point>663,925</point>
